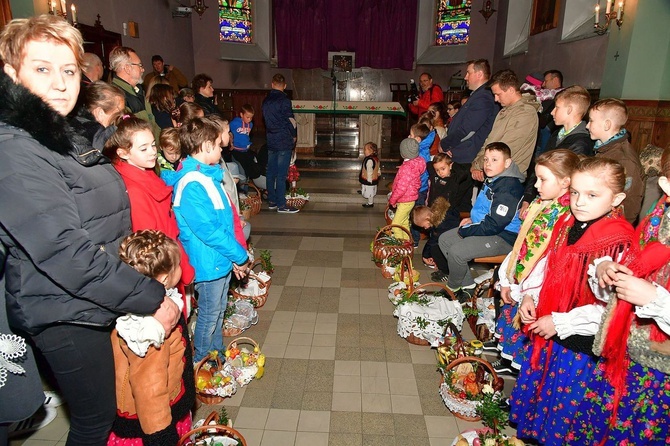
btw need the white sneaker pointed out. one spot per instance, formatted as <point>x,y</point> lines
<point>52,399</point>
<point>40,419</point>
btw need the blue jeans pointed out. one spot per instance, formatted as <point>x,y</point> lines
<point>82,362</point>
<point>212,302</point>
<point>278,162</point>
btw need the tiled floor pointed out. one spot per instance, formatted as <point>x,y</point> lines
<point>337,373</point>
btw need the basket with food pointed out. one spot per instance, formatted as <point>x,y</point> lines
<point>245,357</point>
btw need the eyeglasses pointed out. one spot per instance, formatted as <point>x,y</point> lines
<point>137,64</point>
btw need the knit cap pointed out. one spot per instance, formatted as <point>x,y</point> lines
<point>409,148</point>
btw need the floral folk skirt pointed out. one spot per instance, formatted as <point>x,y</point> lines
<point>643,417</point>
<point>512,343</point>
<point>543,409</point>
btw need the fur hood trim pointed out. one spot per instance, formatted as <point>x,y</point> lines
<point>22,109</point>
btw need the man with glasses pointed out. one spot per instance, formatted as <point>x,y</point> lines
<point>128,70</point>
<point>429,93</point>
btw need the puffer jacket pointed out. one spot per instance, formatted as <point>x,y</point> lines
<point>63,213</point>
<point>407,181</point>
<point>205,219</point>
<point>496,209</point>
<point>279,129</point>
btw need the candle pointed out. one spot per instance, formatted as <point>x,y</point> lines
<point>63,7</point>
<point>74,13</point>
<point>618,13</point>
<point>53,7</point>
<point>597,13</point>
<point>609,6</point>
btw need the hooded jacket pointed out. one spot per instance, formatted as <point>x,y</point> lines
<point>205,219</point>
<point>516,126</point>
<point>64,212</point>
<point>495,211</point>
<point>407,181</point>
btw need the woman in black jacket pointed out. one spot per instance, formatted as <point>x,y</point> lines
<point>63,211</point>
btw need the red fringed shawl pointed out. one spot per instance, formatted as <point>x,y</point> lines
<point>566,281</point>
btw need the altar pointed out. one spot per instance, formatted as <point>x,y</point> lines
<point>367,127</point>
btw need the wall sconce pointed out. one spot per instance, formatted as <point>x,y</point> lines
<point>200,7</point>
<point>610,15</point>
<point>487,10</point>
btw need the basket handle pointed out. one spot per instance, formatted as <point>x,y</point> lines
<point>251,184</point>
<point>204,360</point>
<point>483,362</point>
<point>242,338</point>
<point>450,294</point>
<point>460,343</point>
<point>387,228</point>
<point>257,262</point>
<point>211,417</point>
<point>406,268</point>
<point>214,428</point>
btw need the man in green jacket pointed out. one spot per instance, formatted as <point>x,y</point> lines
<point>128,70</point>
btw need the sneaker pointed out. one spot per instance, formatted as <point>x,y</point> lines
<point>40,419</point>
<point>504,404</point>
<point>463,296</point>
<point>428,265</point>
<point>368,205</point>
<point>491,345</point>
<point>504,367</point>
<point>272,206</point>
<point>52,399</point>
<point>438,276</point>
<point>288,210</point>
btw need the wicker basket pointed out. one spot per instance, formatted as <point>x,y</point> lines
<point>254,198</point>
<point>210,434</point>
<point>295,201</point>
<point>483,289</point>
<point>385,245</point>
<point>464,408</point>
<point>208,398</point>
<point>412,338</point>
<point>244,373</point>
<point>263,288</point>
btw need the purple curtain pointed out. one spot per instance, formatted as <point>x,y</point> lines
<point>381,32</point>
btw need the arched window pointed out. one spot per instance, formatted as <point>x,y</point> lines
<point>452,22</point>
<point>235,21</point>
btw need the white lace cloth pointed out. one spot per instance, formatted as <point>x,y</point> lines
<point>438,309</point>
<point>458,405</point>
<point>253,287</point>
<point>11,347</point>
<point>141,332</point>
<point>395,291</point>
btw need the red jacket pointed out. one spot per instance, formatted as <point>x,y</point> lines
<point>433,94</point>
<point>151,207</point>
<point>407,181</point>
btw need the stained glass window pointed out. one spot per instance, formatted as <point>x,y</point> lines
<point>235,20</point>
<point>453,22</point>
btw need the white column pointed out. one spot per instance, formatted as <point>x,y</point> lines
<point>370,130</point>
<point>306,137</point>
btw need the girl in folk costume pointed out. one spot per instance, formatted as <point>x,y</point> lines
<point>563,323</point>
<point>628,398</point>
<point>369,174</point>
<point>522,272</point>
<point>133,151</point>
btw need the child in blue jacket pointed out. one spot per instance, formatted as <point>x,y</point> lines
<point>206,229</point>
<point>493,224</point>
